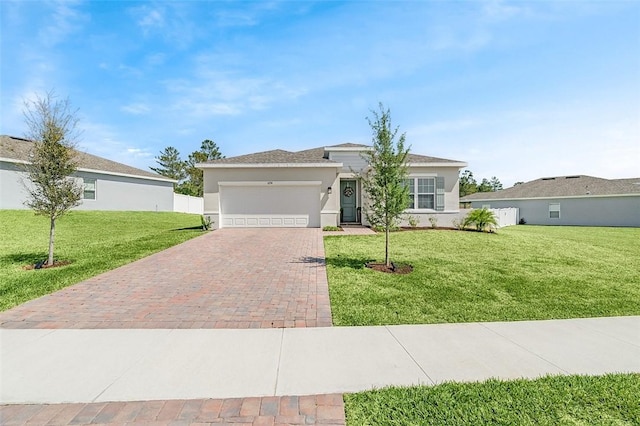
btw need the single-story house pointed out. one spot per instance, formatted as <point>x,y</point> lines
<point>568,200</point>
<point>108,185</point>
<point>318,187</point>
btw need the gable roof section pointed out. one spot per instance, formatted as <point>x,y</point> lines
<point>562,186</point>
<point>276,156</point>
<point>311,156</point>
<point>16,150</point>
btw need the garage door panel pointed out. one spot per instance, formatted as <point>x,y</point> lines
<point>265,206</point>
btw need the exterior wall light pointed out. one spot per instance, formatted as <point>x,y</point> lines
<point>329,190</point>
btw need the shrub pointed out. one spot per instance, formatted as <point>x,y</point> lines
<point>482,219</point>
<point>413,221</point>
<point>522,221</point>
<point>433,221</point>
<point>331,228</point>
<point>206,222</point>
<point>380,228</point>
<point>458,224</point>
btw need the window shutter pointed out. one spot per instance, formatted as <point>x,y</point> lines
<point>439,193</point>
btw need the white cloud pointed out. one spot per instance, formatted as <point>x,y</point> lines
<point>136,108</point>
<point>150,18</point>
<point>499,10</point>
<point>65,20</point>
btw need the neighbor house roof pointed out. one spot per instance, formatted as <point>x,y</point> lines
<point>561,186</point>
<point>311,156</point>
<point>17,150</point>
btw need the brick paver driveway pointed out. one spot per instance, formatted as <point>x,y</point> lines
<point>230,278</point>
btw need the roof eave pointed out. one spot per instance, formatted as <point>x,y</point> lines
<point>104,172</point>
<point>348,148</point>
<point>550,197</point>
<point>458,164</point>
<point>266,165</point>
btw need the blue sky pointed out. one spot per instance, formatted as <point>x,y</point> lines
<point>519,90</point>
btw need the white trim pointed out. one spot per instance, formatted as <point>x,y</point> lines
<point>436,164</point>
<point>266,165</point>
<point>11,160</point>
<point>273,183</point>
<point>559,197</point>
<point>103,172</point>
<point>422,175</point>
<point>329,211</point>
<point>348,148</point>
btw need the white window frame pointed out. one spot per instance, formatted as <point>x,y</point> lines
<point>85,190</point>
<point>415,195</point>
<point>554,208</point>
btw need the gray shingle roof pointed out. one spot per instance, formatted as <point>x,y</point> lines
<point>562,186</point>
<point>13,148</point>
<point>313,155</point>
<point>276,156</point>
<point>415,158</point>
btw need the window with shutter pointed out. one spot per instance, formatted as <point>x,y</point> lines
<point>426,193</point>
<point>440,193</point>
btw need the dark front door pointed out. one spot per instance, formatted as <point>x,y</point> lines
<point>348,200</point>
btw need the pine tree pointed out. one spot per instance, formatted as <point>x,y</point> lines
<point>171,165</point>
<point>194,184</point>
<point>468,184</point>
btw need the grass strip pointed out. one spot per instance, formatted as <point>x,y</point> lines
<point>554,400</point>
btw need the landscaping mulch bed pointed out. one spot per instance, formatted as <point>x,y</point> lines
<point>43,265</point>
<point>393,269</point>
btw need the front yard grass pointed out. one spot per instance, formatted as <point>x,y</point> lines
<point>520,273</point>
<point>571,400</point>
<point>94,242</point>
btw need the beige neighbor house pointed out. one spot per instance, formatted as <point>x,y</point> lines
<point>317,187</point>
<point>107,185</point>
<point>568,200</point>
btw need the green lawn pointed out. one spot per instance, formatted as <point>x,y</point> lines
<point>520,273</point>
<point>93,241</point>
<point>570,400</point>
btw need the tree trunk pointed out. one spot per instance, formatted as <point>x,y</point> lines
<point>386,246</point>
<point>52,232</point>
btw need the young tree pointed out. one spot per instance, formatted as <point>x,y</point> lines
<point>171,165</point>
<point>468,184</point>
<point>194,184</point>
<point>384,180</point>
<point>51,126</point>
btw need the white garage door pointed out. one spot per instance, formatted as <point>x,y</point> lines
<point>270,205</point>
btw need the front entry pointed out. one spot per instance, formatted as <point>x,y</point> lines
<point>348,203</point>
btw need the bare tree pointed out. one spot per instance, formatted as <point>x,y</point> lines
<point>51,126</point>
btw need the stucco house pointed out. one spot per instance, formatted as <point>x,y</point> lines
<point>317,187</point>
<point>108,185</point>
<point>569,200</point>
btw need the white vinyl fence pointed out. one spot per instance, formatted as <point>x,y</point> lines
<point>188,204</point>
<point>506,217</point>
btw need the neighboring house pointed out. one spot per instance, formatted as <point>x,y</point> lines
<point>317,187</point>
<point>569,200</point>
<point>107,185</point>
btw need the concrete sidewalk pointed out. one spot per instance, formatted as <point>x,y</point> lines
<point>55,366</point>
